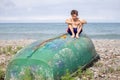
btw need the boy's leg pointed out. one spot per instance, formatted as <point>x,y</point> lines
<point>79,31</point>
<point>71,29</point>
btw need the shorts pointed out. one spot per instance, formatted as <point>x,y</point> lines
<point>74,29</point>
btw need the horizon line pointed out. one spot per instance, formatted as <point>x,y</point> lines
<point>55,22</point>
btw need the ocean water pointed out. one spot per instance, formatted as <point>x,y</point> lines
<point>37,31</point>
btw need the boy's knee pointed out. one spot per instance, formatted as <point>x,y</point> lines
<point>69,26</point>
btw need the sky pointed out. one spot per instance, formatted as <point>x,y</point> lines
<point>58,10</point>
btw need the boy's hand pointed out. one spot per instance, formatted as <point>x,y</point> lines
<point>78,23</point>
<point>83,21</point>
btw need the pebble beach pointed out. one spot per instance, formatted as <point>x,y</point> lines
<point>107,68</point>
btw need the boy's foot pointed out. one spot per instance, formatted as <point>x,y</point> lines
<point>72,36</point>
<point>77,35</point>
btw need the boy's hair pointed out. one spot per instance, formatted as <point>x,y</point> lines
<point>74,12</point>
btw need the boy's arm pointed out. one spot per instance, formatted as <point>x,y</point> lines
<point>79,30</point>
<point>68,21</point>
<point>83,21</point>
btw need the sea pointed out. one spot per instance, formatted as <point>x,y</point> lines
<point>37,31</point>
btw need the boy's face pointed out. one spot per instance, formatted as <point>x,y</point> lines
<point>74,16</point>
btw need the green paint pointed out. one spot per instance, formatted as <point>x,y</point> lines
<point>50,59</point>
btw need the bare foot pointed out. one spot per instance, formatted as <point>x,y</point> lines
<point>72,36</point>
<point>77,35</point>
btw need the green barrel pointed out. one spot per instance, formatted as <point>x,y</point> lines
<point>50,59</point>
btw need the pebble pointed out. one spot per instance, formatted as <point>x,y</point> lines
<point>109,51</point>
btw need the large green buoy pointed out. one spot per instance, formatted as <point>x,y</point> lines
<point>50,59</point>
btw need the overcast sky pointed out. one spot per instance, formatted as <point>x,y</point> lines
<point>59,10</point>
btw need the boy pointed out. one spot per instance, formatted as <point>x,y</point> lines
<point>74,24</point>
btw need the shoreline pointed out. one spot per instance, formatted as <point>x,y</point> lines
<point>23,42</point>
<point>108,67</point>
